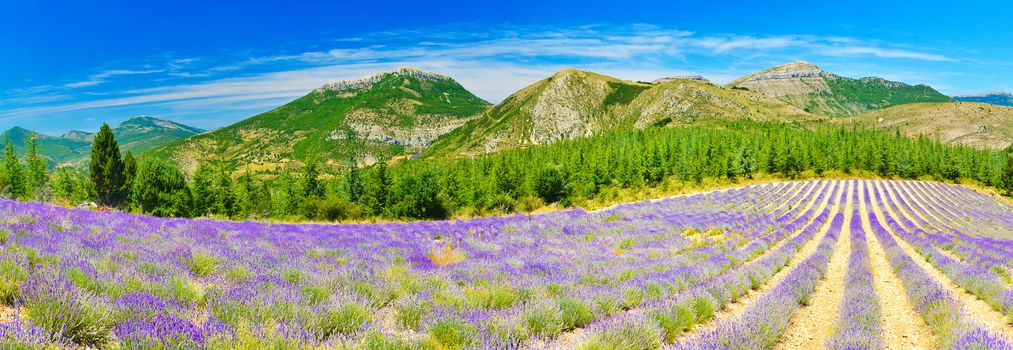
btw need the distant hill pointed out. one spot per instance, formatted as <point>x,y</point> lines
<point>574,103</point>
<point>1000,98</point>
<point>816,91</point>
<point>966,123</point>
<point>136,134</point>
<point>384,115</point>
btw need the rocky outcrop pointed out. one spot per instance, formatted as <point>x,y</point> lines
<point>796,78</point>
<point>361,83</point>
<point>681,77</point>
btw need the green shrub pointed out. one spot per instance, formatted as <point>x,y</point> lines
<point>202,264</point>
<point>11,276</point>
<point>574,313</point>
<point>409,314</point>
<point>375,340</point>
<point>543,320</point>
<point>631,335</point>
<point>453,334</point>
<point>345,319</point>
<point>84,324</point>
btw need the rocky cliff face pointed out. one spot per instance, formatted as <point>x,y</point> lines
<point>681,77</point>
<point>796,78</point>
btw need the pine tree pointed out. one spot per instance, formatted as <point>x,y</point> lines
<point>1007,177</point>
<point>225,198</point>
<point>106,167</point>
<point>374,195</point>
<point>311,186</point>
<point>37,169</point>
<point>129,172</point>
<point>354,183</point>
<point>203,190</point>
<point>14,174</point>
<point>160,189</point>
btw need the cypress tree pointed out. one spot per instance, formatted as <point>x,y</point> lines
<point>225,199</point>
<point>203,190</point>
<point>14,174</point>
<point>37,172</point>
<point>129,172</point>
<point>354,183</point>
<point>311,186</point>
<point>1007,176</point>
<point>106,167</point>
<point>374,195</point>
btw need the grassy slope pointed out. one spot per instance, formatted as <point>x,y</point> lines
<point>967,123</point>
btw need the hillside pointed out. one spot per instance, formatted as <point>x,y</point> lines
<point>819,92</point>
<point>384,115</point>
<point>1001,98</point>
<point>136,134</point>
<point>966,123</point>
<point>574,103</point>
<point>57,149</point>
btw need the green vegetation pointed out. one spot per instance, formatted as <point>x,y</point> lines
<point>329,124</point>
<point>106,167</point>
<point>851,96</point>
<point>136,134</point>
<point>586,170</point>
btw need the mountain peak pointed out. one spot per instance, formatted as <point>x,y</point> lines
<point>355,84</point>
<point>789,71</point>
<point>78,135</point>
<point>799,65</point>
<point>987,94</point>
<point>1001,98</point>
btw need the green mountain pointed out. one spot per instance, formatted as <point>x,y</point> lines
<point>966,123</point>
<point>136,134</point>
<point>1001,98</point>
<point>574,103</point>
<point>139,134</point>
<point>57,149</point>
<point>808,87</point>
<point>389,114</point>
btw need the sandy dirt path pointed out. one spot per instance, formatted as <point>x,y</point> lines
<point>976,309</point>
<point>812,324</point>
<point>903,328</point>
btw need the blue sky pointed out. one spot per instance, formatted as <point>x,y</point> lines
<point>75,64</point>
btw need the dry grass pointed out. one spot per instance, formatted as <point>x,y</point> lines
<point>447,255</point>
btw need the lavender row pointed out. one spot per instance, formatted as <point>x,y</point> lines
<point>859,323</point>
<point>941,311</point>
<point>184,283</point>
<point>978,280</point>
<point>984,249</point>
<point>699,304</point>
<point>761,325</point>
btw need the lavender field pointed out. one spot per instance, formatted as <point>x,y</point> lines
<point>814,264</point>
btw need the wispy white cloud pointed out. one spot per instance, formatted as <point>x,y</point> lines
<point>492,63</point>
<point>885,53</point>
<point>104,76</point>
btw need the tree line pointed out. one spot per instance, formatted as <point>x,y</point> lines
<point>514,180</point>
